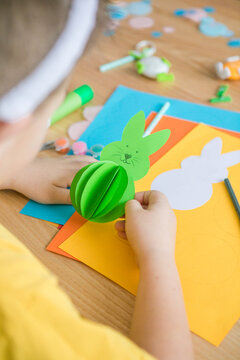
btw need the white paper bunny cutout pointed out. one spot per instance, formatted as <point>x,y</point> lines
<point>191,186</point>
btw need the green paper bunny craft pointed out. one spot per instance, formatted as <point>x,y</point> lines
<point>100,190</point>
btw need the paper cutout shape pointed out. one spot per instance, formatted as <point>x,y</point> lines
<point>105,128</point>
<point>207,246</point>
<point>212,28</point>
<point>100,190</point>
<point>191,186</point>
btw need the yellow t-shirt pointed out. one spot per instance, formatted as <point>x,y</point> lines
<point>39,322</point>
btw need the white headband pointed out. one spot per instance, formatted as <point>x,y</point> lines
<point>23,99</point>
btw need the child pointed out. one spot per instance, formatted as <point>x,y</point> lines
<point>40,43</point>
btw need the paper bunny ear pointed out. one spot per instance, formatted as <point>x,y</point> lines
<point>154,142</point>
<point>213,148</point>
<point>230,158</point>
<point>135,128</point>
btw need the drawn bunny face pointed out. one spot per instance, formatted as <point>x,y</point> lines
<point>133,151</point>
<point>191,186</point>
<point>99,191</point>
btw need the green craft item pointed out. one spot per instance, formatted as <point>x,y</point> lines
<point>99,191</point>
<point>73,101</point>
<point>222,90</point>
<point>221,99</point>
<point>133,151</point>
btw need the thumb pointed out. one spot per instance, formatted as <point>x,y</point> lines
<point>132,206</point>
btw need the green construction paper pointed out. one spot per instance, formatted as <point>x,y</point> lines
<point>119,210</point>
<point>100,190</point>
<point>77,186</point>
<point>154,142</point>
<point>116,190</point>
<point>96,188</point>
<point>133,151</point>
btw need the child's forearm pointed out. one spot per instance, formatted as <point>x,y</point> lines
<point>159,322</point>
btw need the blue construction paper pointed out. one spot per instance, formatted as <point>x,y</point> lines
<point>111,120</point>
<point>58,214</point>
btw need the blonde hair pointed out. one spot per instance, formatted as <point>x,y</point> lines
<point>28,30</point>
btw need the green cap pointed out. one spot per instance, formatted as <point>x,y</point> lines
<point>85,92</point>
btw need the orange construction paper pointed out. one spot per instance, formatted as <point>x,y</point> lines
<point>207,247</point>
<point>75,222</point>
<point>179,128</point>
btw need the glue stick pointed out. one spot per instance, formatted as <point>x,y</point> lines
<point>73,101</point>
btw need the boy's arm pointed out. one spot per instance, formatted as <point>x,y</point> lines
<point>159,322</point>
<point>47,180</point>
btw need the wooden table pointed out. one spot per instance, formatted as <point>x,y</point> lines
<point>193,56</point>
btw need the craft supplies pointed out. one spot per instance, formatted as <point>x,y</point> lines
<point>221,95</point>
<point>79,148</point>
<point>234,42</point>
<point>95,151</point>
<point>62,146</point>
<point>229,69</point>
<point>143,49</point>
<point>156,34</point>
<point>212,28</point>
<point>155,68</point>
<point>168,29</point>
<point>124,102</point>
<point>232,194</point>
<point>140,22</point>
<point>99,191</point>
<point>90,112</point>
<point>201,251</point>
<point>73,101</point>
<point>194,14</point>
<point>76,129</point>
<point>139,8</point>
<point>157,118</point>
<point>48,145</point>
<point>221,99</point>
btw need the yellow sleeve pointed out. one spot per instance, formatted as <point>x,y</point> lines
<point>38,321</point>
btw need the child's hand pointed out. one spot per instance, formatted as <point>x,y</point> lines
<point>149,225</point>
<point>46,180</point>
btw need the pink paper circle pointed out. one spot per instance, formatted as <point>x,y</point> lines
<point>141,22</point>
<point>76,129</point>
<point>168,29</point>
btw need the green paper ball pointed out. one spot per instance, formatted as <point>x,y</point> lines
<point>99,191</point>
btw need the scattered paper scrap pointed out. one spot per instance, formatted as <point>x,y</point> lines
<point>234,42</point>
<point>141,22</point>
<point>168,29</point>
<point>156,34</point>
<point>212,28</point>
<point>139,8</point>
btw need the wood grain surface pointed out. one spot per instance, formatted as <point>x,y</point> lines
<point>193,56</point>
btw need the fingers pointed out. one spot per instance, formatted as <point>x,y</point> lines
<point>61,196</point>
<point>84,158</point>
<point>122,235</point>
<point>120,226</point>
<point>150,199</point>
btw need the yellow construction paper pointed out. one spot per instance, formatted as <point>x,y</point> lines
<point>207,246</point>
